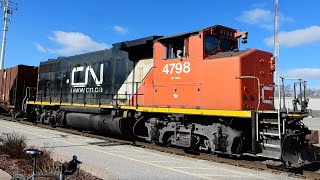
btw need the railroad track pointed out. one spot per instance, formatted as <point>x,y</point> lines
<point>262,164</point>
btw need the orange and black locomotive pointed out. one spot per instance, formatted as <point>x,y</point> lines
<point>195,90</point>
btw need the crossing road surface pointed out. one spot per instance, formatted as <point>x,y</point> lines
<point>109,160</point>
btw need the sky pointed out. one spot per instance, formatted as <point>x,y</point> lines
<point>41,30</point>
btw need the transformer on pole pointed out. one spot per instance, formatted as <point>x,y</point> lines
<point>8,7</point>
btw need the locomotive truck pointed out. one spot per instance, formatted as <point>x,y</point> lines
<point>196,90</point>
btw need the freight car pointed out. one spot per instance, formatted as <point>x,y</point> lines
<point>195,90</point>
<point>14,83</point>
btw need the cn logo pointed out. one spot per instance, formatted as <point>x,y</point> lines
<point>87,70</point>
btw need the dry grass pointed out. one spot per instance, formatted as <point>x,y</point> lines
<point>13,158</point>
<point>13,144</point>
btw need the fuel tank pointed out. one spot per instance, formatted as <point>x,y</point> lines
<point>104,124</point>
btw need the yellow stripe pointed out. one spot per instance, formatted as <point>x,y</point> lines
<point>243,114</point>
<point>226,113</point>
<point>294,115</point>
<point>44,103</point>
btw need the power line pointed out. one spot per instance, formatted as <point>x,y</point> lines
<point>8,7</point>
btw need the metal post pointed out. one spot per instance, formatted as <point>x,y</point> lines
<point>254,131</point>
<point>300,95</point>
<point>133,82</point>
<point>4,34</point>
<point>294,90</point>
<point>137,94</point>
<point>284,95</point>
<point>61,175</point>
<point>279,108</point>
<point>8,6</point>
<point>304,90</point>
<point>34,168</point>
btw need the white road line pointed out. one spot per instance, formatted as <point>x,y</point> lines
<point>192,168</point>
<point>158,161</point>
<point>219,175</point>
<point>205,166</point>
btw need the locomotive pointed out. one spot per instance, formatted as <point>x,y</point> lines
<point>196,90</point>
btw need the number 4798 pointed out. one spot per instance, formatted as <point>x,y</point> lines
<point>177,68</point>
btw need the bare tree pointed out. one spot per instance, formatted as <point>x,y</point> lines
<point>289,92</point>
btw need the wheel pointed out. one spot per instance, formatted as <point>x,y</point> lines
<point>19,177</point>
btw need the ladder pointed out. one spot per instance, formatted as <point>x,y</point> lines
<point>270,131</point>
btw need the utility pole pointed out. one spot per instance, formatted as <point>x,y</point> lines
<point>8,7</point>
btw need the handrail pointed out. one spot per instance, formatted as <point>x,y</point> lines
<point>257,117</point>
<point>253,77</point>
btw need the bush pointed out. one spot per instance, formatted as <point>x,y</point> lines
<point>13,144</point>
<point>13,158</point>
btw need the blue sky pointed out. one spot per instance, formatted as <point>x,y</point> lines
<point>48,29</point>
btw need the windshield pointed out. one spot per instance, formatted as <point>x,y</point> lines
<point>211,44</point>
<point>227,45</point>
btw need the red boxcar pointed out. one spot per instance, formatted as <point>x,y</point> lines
<point>13,84</point>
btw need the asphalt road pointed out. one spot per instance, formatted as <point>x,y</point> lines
<point>109,160</point>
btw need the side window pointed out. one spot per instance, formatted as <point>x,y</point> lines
<point>175,48</point>
<point>211,44</point>
<point>228,45</point>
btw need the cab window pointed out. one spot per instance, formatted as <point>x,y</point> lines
<point>211,44</point>
<point>175,48</point>
<point>228,45</point>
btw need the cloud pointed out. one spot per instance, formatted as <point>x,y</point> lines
<point>297,37</point>
<point>40,48</point>
<point>121,30</point>
<point>262,17</point>
<point>255,16</point>
<point>71,43</point>
<point>304,73</point>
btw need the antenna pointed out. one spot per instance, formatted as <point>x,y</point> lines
<point>8,7</point>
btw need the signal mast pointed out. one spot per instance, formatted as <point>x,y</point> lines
<point>8,7</point>
<point>276,36</point>
<point>276,49</point>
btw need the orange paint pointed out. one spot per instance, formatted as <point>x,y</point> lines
<point>208,81</point>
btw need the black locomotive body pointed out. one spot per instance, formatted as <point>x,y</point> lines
<point>92,78</point>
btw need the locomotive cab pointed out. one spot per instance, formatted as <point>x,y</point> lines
<point>204,69</point>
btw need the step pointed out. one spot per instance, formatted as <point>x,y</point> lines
<point>276,146</point>
<point>269,122</point>
<point>269,134</point>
